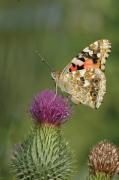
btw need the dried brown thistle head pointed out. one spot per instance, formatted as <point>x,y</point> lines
<point>104,158</point>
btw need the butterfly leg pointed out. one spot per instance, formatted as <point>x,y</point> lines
<point>56,89</point>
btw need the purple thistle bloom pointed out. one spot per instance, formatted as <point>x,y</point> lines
<point>47,107</point>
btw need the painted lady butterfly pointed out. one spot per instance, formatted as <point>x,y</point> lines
<point>83,78</point>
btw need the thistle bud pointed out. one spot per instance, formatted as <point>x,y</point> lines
<point>104,160</point>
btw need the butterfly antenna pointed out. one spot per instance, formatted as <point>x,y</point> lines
<point>50,69</point>
<point>44,61</point>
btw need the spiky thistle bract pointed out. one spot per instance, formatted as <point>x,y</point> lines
<point>104,161</point>
<point>43,155</point>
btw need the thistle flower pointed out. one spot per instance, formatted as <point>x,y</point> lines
<point>104,159</point>
<point>47,107</point>
<point>44,154</point>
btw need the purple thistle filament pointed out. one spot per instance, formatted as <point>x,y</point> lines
<point>47,107</point>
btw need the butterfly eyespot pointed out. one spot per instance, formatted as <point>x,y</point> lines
<point>95,80</point>
<point>96,89</point>
<point>94,94</point>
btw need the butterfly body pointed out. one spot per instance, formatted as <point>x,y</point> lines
<point>84,77</point>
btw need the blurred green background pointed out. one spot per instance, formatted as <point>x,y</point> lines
<point>59,30</point>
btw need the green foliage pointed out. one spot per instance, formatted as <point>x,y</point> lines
<point>43,155</point>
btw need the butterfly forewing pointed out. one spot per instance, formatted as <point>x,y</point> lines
<point>98,52</point>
